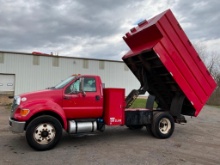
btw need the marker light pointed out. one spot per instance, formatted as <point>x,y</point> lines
<point>24,112</point>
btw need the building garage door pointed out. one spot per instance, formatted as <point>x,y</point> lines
<point>7,83</point>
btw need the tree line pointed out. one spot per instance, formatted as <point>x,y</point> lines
<point>212,62</point>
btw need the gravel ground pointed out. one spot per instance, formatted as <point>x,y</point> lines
<point>197,142</point>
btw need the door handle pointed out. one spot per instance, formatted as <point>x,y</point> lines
<point>97,97</point>
<point>66,97</point>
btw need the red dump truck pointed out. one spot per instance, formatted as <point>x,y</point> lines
<point>167,67</point>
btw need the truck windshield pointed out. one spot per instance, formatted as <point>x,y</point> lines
<point>64,82</point>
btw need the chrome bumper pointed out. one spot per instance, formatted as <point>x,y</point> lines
<point>16,126</point>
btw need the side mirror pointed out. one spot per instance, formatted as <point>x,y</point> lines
<point>83,93</point>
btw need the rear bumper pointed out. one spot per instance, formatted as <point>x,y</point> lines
<point>17,126</point>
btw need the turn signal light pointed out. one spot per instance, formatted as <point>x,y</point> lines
<point>24,112</point>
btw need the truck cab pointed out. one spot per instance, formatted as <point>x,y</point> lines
<point>74,105</point>
<point>83,98</point>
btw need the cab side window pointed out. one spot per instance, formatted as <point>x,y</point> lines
<point>89,84</point>
<point>73,88</point>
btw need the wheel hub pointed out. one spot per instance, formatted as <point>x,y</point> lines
<point>164,125</point>
<point>44,133</point>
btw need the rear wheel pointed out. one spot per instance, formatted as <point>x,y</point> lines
<point>163,125</point>
<point>43,133</point>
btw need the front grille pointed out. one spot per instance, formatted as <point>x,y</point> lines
<point>13,106</point>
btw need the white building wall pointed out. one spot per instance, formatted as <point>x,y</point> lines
<point>29,77</point>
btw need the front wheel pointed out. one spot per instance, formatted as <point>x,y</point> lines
<point>163,125</point>
<point>43,133</point>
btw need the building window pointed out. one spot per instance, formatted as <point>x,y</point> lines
<point>36,60</point>
<point>126,67</point>
<point>55,61</point>
<point>86,64</point>
<point>2,58</point>
<point>101,65</point>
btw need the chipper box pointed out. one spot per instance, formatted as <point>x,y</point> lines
<point>163,60</point>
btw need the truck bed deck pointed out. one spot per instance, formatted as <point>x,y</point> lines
<point>167,65</point>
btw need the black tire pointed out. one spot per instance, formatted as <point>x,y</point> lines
<point>134,127</point>
<point>162,125</point>
<point>43,133</point>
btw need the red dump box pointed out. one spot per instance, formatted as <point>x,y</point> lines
<point>167,65</point>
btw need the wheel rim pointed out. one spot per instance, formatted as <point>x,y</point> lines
<point>44,133</point>
<point>164,125</point>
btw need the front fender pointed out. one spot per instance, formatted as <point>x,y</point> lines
<point>39,106</point>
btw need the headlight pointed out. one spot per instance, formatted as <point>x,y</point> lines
<point>15,104</point>
<point>18,100</point>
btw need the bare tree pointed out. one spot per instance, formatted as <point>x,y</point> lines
<point>211,59</point>
<point>212,62</point>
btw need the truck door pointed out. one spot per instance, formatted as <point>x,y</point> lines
<point>82,99</point>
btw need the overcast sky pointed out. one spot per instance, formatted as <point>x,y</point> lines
<point>94,28</point>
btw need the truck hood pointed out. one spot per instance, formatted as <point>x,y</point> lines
<point>53,94</point>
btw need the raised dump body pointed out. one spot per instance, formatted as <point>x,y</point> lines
<point>167,65</point>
